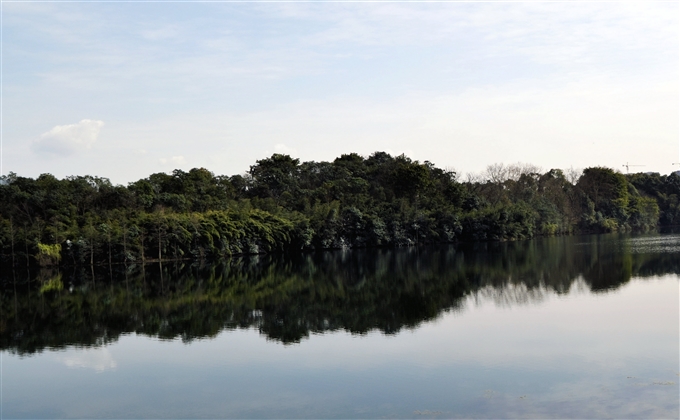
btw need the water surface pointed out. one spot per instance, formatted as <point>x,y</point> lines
<point>578,327</point>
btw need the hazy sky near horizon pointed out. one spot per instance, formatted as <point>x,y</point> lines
<point>123,90</point>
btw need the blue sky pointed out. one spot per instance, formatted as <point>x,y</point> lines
<point>123,90</point>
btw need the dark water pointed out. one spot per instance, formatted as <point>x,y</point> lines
<point>578,327</point>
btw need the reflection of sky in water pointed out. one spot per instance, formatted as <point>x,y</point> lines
<point>576,355</point>
<point>98,359</point>
<point>513,294</point>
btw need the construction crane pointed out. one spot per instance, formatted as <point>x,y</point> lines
<point>627,166</point>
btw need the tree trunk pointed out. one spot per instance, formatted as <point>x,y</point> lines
<point>26,247</point>
<point>109,239</point>
<point>125,243</point>
<point>11,234</point>
<point>142,239</point>
<point>160,269</point>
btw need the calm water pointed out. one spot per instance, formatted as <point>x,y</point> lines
<point>579,327</point>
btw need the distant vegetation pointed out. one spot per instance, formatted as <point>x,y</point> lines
<point>284,205</point>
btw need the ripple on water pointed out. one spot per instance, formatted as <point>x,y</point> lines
<point>655,244</point>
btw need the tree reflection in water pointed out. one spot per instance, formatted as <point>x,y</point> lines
<point>289,297</point>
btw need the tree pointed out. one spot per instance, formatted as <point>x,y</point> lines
<point>274,175</point>
<point>608,191</point>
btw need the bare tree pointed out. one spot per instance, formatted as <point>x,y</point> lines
<point>473,178</point>
<point>455,176</point>
<point>516,170</point>
<point>496,173</point>
<point>573,175</point>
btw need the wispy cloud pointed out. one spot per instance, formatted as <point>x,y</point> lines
<point>228,45</point>
<point>224,84</point>
<point>175,160</point>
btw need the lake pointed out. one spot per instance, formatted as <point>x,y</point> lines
<point>564,327</point>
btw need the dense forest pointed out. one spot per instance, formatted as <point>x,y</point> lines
<point>283,205</point>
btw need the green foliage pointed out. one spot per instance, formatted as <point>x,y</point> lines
<point>664,191</point>
<point>549,229</point>
<point>282,204</point>
<point>273,176</point>
<point>52,285</point>
<point>608,191</point>
<point>644,213</point>
<point>48,254</point>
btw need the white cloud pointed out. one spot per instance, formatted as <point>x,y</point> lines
<point>68,139</point>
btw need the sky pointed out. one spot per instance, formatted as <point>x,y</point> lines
<point>124,90</point>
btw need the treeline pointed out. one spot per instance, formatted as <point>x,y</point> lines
<point>281,204</point>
